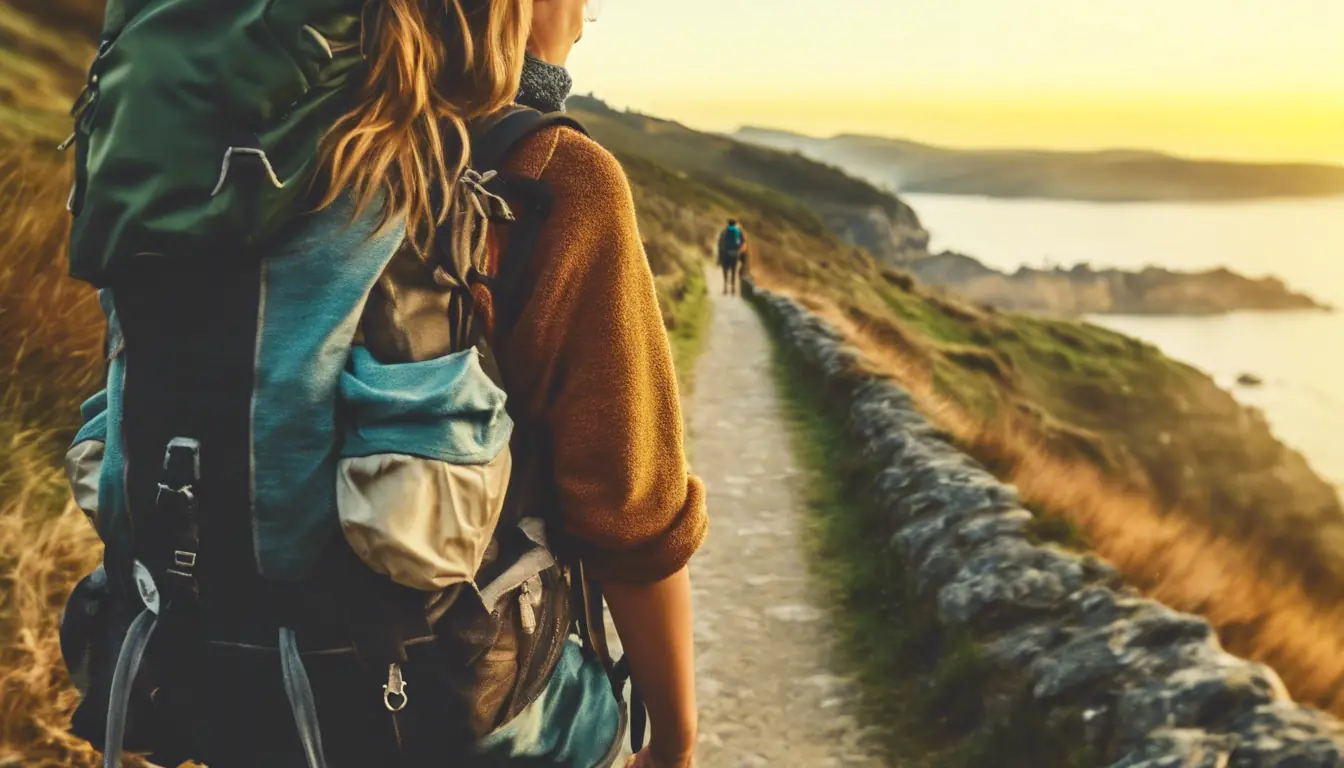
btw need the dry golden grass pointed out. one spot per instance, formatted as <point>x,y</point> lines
<point>42,557</point>
<point>1255,601</point>
<point>50,326</point>
<point>50,334</point>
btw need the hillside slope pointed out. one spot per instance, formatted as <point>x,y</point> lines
<point>1107,176</point>
<point>1150,424</point>
<point>861,213</point>
<point>1105,436</point>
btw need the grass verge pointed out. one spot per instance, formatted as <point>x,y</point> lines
<point>687,320</point>
<point>924,686</point>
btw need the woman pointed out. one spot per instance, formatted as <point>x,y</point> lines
<point>587,356</point>
<point>334,384</point>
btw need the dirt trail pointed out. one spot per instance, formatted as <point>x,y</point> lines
<point>767,692</point>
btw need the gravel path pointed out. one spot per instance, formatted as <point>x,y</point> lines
<point>767,693</point>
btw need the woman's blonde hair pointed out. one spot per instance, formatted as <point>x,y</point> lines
<point>432,67</point>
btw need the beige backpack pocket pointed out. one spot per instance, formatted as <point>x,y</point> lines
<point>425,467</point>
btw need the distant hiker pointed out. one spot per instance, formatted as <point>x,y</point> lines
<point>732,254</point>
<point>364,475</point>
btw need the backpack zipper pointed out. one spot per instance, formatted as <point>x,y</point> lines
<point>527,615</point>
<point>524,570</point>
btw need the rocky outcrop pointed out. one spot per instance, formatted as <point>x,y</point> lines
<point>1144,685</point>
<point>1083,290</point>
<point>893,235</point>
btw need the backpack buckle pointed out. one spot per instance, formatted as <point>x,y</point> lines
<point>179,512</point>
<point>184,567</point>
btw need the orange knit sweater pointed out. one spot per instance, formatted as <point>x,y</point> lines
<point>589,363</point>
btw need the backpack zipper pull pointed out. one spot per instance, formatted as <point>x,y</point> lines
<point>394,693</point>
<point>526,614</point>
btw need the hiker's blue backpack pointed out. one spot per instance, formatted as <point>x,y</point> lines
<point>731,242</point>
<point>291,518</point>
<point>733,239</point>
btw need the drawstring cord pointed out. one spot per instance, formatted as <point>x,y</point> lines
<point>475,182</point>
<point>470,241</point>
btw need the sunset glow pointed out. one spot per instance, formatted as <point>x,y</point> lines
<point>1255,79</point>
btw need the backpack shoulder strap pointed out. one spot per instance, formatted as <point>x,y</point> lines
<point>491,142</point>
<point>495,137</point>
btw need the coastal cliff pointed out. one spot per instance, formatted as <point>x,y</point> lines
<point>1082,290</point>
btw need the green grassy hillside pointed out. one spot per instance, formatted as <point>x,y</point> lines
<point>681,149</point>
<point>859,212</point>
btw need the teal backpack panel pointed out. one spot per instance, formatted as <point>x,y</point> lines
<point>734,238</point>
<point>197,133</point>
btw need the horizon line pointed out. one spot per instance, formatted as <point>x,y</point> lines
<point>722,123</point>
<point>1099,149</point>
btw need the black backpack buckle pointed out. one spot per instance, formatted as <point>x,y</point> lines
<point>179,512</point>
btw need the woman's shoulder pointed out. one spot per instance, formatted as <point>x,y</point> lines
<point>570,161</point>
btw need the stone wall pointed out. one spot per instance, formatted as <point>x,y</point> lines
<point>1143,684</point>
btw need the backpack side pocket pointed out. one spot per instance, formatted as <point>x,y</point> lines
<point>424,467</point>
<point>95,624</point>
<point>84,458</point>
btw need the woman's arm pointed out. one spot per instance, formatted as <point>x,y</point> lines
<point>590,357</point>
<point>590,360</point>
<point>656,630</point>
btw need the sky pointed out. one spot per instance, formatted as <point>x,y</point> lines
<point>1244,79</point>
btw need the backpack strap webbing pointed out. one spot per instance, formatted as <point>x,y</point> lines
<point>592,626</point>
<point>493,138</point>
<point>491,142</point>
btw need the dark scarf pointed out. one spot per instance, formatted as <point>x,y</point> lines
<point>544,86</point>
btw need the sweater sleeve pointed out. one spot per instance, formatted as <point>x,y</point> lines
<point>602,376</point>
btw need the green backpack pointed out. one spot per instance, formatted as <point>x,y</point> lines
<point>197,132</point>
